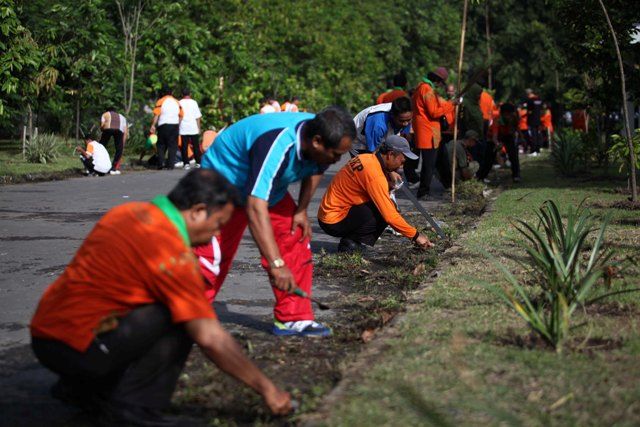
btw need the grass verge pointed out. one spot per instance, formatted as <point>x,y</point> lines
<point>462,358</point>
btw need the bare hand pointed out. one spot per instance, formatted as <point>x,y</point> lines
<point>152,129</point>
<point>278,401</point>
<point>300,219</point>
<point>283,279</point>
<point>395,177</point>
<point>423,242</point>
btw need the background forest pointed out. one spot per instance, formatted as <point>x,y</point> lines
<point>67,60</point>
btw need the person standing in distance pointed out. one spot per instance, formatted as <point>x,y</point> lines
<point>190,127</point>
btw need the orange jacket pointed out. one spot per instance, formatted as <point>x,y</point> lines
<point>486,105</point>
<point>360,181</point>
<point>427,110</point>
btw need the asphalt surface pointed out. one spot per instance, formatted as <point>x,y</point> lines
<point>41,227</point>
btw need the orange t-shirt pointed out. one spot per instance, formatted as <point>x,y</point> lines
<point>546,120</point>
<point>522,123</point>
<point>133,256</point>
<point>391,96</point>
<point>486,105</point>
<point>360,181</point>
<point>428,107</point>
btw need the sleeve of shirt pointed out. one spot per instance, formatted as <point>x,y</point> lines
<point>198,112</point>
<point>375,128</point>
<point>378,189</point>
<point>461,154</point>
<point>158,108</point>
<point>268,159</point>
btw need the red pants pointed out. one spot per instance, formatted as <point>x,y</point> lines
<point>217,256</point>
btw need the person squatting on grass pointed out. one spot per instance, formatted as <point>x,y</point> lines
<point>261,155</point>
<point>357,206</point>
<point>95,158</point>
<point>119,323</point>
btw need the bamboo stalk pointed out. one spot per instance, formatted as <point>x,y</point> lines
<point>455,123</point>
<point>625,109</point>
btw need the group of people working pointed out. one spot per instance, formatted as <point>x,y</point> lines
<point>119,337</point>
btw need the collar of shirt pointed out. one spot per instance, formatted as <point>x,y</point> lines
<point>427,81</point>
<point>174,215</point>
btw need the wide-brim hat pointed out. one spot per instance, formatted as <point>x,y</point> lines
<point>440,73</point>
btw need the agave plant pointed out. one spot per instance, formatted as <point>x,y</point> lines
<point>567,151</point>
<point>556,251</point>
<point>43,148</point>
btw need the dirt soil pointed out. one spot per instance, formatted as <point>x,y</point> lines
<point>370,290</point>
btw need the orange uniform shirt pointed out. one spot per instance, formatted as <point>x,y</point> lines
<point>360,181</point>
<point>428,107</point>
<point>134,256</point>
<point>486,105</point>
<point>522,123</point>
<point>391,96</point>
<point>546,120</point>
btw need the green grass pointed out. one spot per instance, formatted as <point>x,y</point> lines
<point>464,359</point>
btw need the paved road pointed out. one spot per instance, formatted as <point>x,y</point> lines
<point>41,227</point>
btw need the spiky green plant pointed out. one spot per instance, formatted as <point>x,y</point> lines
<point>566,277</point>
<point>567,151</point>
<point>43,148</point>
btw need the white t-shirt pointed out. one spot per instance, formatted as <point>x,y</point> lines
<point>168,109</point>
<point>100,156</point>
<point>267,109</point>
<point>191,113</point>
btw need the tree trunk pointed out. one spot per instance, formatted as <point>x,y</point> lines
<point>625,109</point>
<point>78,117</point>
<point>487,29</point>
<point>455,123</point>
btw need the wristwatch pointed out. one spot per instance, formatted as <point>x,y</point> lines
<point>277,263</point>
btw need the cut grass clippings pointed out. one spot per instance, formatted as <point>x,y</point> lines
<point>462,358</point>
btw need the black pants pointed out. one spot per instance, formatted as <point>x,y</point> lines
<point>487,160</point>
<point>429,157</point>
<point>194,140</point>
<point>363,224</point>
<point>118,140</point>
<point>443,162</point>
<point>535,136</point>
<point>167,141</point>
<point>138,363</point>
<point>89,166</point>
<point>512,152</point>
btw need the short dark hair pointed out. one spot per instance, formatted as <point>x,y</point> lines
<point>166,90</point>
<point>331,124</point>
<point>203,186</point>
<point>400,105</point>
<point>400,80</point>
<point>186,92</point>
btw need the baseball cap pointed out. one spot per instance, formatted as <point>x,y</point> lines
<point>401,145</point>
<point>471,134</point>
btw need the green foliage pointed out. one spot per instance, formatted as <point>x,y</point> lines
<point>562,267</point>
<point>44,148</point>
<point>567,153</point>
<point>620,150</point>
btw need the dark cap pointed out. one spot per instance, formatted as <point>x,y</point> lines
<point>400,145</point>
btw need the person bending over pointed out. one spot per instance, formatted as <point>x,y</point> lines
<point>120,321</point>
<point>95,158</point>
<point>357,206</point>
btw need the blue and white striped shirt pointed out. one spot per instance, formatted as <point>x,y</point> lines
<point>260,155</point>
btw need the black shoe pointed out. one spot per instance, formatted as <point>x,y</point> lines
<point>422,195</point>
<point>123,414</point>
<point>349,246</point>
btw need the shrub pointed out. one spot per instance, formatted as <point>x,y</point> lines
<point>44,148</point>
<point>567,154</point>
<point>567,277</point>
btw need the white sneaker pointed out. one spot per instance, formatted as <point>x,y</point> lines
<point>187,167</point>
<point>178,165</point>
<point>414,185</point>
<point>486,181</point>
<point>114,172</point>
<point>507,164</point>
<point>496,166</point>
<point>192,162</point>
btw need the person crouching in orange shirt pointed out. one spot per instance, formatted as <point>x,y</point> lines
<point>428,108</point>
<point>357,206</point>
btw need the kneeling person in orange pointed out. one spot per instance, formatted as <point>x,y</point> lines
<point>357,206</point>
<point>119,323</point>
